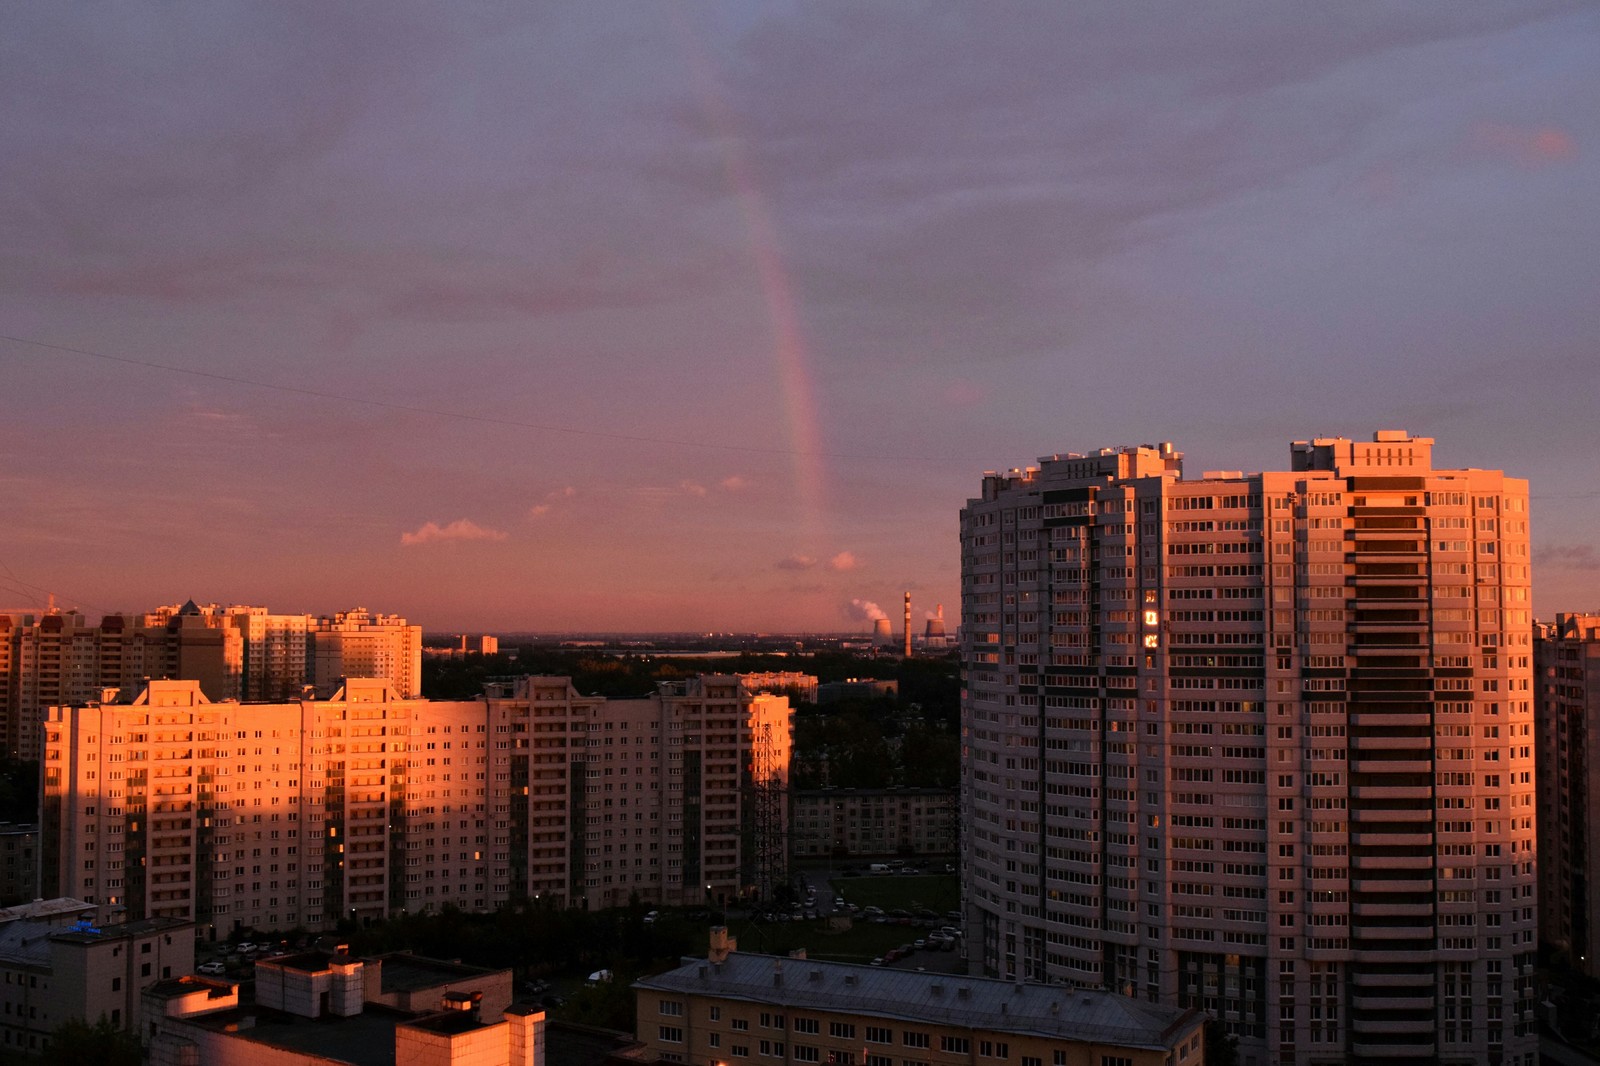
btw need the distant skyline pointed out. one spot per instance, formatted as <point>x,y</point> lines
<point>688,317</point>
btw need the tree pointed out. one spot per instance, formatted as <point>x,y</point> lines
<point>102,1043</point>
<point>1221,1049</point>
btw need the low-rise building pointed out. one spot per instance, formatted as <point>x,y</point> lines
<point>330,1008</point>
<point>762,1008</point>
<point>50,974</point>
<point>849,822</point>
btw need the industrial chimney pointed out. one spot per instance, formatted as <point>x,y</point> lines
<point>908,626</point>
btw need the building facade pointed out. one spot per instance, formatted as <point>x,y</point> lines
<point>852,822</point>
<point>273,816</point>
<point>1259,744</point>
<point>1567,658</point>
<point>52,974</point>
<point>313,1008</point>
<point>761,1008</point>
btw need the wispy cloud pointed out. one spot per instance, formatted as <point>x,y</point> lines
<point>1527,146</point>
<point>692,488</point>
<point>733,484</point>
<point>1568,557</point>
<point>844,561</point>
<point>796,562</point>
<point>460,529</point>
<point>555,496</point>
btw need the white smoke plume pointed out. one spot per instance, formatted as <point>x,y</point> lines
<point>864,611</point>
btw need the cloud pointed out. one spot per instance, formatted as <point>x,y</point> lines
<point>460,529</point>
<point>692,488</point>
<point>796,562</point>
<point>553,497</point>
<point>843,561</point>
<point>1568,557</point>
<point>1527,146</point>
<point>733,484</point>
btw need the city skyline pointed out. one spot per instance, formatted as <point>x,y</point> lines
<point>633,319</point>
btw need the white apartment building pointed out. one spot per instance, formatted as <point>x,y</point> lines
<point>299,814</point>
<point>1259,744</point>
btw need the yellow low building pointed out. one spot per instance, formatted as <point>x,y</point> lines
<point>762,1010</point>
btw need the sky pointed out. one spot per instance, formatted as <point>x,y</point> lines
<point>693,316</point>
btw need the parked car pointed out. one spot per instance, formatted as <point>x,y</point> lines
<point>213,969</point>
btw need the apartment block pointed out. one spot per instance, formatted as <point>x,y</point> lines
<point>863,822</point>
<point>52,974</point>
<point>749,1008</point>
<point>1567,658</point>
<point>273,816</point>
<point>59,659</point>
<point>1259,744</point>
<point>358,643</point>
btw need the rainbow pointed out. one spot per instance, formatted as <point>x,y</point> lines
<point>789,348</point>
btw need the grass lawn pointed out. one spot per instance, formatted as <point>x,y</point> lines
<point>937,892</point>
<point>861,944</point>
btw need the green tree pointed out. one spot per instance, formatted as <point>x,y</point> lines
<point>102,1043</point>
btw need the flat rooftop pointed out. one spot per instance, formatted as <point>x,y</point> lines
<point>1050,1011</point>
<point>364,1040</point>
<point>412,973</point>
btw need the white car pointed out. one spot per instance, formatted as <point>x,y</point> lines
<point>214,969</point>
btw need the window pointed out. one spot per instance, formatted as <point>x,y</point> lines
<point>714,1039</point>
<point>879,1035</point>
<point>739,1051</point>
<point>740,1025</point>
<point>672,1034</point>
<point>672,1007</point>
<point>841,1030</point>
<point>807,1025</point>
<point>803,1053</point>
<point>771,1021</point>
<point>955,1045</point>
<point>772,1048</point>
<point>910,1039</point>
<point>990,1049</point>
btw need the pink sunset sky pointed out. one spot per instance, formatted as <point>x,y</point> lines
<point>693,316</point>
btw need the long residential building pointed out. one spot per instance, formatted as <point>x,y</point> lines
<point>1259,744</point>
<point>739,1009</point>
<point>299,814</point>
<point>1567,655</point>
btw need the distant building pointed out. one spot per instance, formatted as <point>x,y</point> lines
<point>360,644</point>
<point>851,822</point>
<point>1567,680</point>
<point>755,1007</point>
<point>857,688</point>
<point>369,804</point>
<point>330,1008</point>
<point>50,974</point>
<point>57,659</point>
<point>19,863</point>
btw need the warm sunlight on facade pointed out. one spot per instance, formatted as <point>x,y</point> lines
<point>301,814</point>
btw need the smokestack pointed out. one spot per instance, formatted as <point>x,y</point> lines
<point>908,626</point>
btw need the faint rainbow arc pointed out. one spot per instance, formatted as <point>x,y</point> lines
<point>789,348</point>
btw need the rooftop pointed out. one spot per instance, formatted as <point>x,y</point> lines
<point>367,1039</point>
<point>1050,1011</point>
<point>403,972</point>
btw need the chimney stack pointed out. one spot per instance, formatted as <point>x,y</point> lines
<point>908,626</point>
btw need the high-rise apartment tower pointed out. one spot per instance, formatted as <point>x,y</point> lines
<point>1567,657</point>
<point>1258,743</point>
